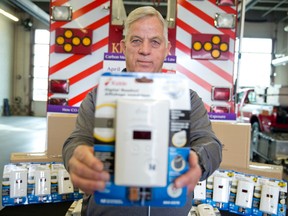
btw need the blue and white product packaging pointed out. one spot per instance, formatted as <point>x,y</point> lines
<point>218,189</point>
<point>270,197</point>
<point>141,135</point>
<point>39,183</point>
<point>199,193</point>
<point>61,185</point>
<point>241,194</point>
<point>14,185</point>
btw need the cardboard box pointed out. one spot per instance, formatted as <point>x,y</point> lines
<point>19,157</point>
<point>235,138</point>
<point>260,169</point>
<point>59,128</point>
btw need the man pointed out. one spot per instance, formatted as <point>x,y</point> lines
<point>145,47</point>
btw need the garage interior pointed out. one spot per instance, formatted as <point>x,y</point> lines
<point>25,130</point>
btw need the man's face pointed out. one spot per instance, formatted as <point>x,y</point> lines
<point>145,48</point>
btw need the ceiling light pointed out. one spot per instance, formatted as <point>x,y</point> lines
<point>225,20</point>
<point>61,13</point>
<point>10,16</point>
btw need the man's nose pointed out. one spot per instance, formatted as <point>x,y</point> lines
<point>145,48</point>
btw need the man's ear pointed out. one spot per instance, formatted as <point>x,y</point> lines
<point>168,48</point>
<point>123,46</point>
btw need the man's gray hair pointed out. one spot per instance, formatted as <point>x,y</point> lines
<point>141,12</point>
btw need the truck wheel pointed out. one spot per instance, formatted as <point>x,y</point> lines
<point>255,133</point>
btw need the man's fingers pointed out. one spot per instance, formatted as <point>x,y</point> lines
<point>192,176</point>
<point>84,171</point>
<point>85,155</point>
<point>88,186</point>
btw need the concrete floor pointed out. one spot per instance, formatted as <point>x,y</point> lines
<point>20,134</point>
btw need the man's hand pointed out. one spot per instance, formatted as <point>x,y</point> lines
<point>192,176</point>
<point>86,170</point>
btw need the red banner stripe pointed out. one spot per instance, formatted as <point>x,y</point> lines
<point>79,97</point>
<point>203,16</point>
<point>86,73</point>
<point>75,58</point>
<point>79,13</point>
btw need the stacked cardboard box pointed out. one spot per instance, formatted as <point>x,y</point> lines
<point>59,127</point>
<point>235,138</point>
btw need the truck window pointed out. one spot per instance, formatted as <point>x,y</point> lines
<point>252,97</point>
<point>239,96</point>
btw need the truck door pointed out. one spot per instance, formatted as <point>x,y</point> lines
<point>247,106</point>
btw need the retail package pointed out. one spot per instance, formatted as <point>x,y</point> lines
<point>142,121</point>
<point>62,188</point>
<point>243,194</point>
<point>39,183</point>
<point>235,138</point>
<point>218,187</point>
<point>32,183</point>
<point>14,185</point>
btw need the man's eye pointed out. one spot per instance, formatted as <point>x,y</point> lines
<point>136,41</point>
<point>155,43</point>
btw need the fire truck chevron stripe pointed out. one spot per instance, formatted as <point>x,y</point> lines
<point>194,77</point>
<point>186,27</point>
<point>79,97</point>
<point>205,17</point>
<point>85,73</point>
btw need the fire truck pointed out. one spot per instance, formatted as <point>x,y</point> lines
<point>266,109</point>
<point>84,43</point>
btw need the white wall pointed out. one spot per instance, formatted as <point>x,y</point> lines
<point>6,57</point>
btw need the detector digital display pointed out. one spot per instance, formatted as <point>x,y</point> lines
<point>142,135</point>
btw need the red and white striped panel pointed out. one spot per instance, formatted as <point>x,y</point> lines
<point>82,71</point>
<point>195,17</point>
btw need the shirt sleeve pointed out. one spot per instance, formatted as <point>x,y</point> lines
<point>202,139</point>
<point>82,134</point>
